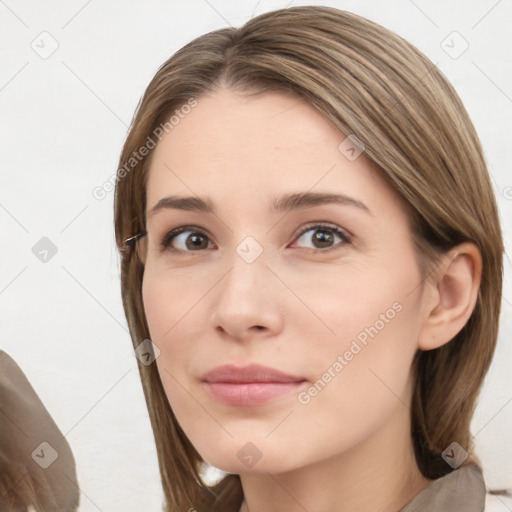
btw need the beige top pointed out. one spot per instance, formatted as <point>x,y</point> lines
<point>462,490</point>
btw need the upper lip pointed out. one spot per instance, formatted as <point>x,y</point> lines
<point>247,374</point>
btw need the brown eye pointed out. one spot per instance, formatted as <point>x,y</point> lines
<point>323,237</point>
<point>186,239</point>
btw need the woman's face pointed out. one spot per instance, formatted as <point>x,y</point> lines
<point>323,291</point>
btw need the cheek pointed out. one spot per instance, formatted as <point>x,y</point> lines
<point>169,298</point>
<point>361,382</point>
<point>371,360</point>
<point>370,305</point>
<point>363,372</point>
<point>171,306</point>
<point>165,308</point>
<point>159,314</point>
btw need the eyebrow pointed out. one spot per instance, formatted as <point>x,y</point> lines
<point>282,204</point>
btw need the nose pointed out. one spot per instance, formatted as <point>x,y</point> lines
<point>248,301</point>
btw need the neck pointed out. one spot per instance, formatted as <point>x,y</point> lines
<point>378,475</point>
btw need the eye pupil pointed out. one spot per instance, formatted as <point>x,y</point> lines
<point>325,238</point>
<point>194,241</point>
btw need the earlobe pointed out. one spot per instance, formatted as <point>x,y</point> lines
<point>452,297</point>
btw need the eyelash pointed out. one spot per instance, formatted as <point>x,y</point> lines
<point>169,237</point>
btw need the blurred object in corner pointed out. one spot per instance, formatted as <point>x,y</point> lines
<point>37,467</point>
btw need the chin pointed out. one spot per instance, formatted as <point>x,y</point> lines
<point>258,456</point>
<point>261,466</point>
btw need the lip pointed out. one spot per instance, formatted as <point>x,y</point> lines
<point>249,385</point>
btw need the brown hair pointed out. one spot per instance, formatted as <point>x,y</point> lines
<point>372,83</point>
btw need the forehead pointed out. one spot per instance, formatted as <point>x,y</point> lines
<point>234,147</point>
<point>242,125</point>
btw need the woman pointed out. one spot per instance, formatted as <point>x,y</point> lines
<point>310,240</point>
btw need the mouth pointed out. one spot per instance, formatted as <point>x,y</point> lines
<point>250,385</point>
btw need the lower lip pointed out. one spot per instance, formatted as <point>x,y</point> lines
<point>250,394</point>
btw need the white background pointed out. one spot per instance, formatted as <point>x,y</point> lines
<point>64,119</point>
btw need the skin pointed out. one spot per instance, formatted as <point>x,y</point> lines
<point>293,309</point>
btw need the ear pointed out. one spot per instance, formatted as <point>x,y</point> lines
<point>450,295</point>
